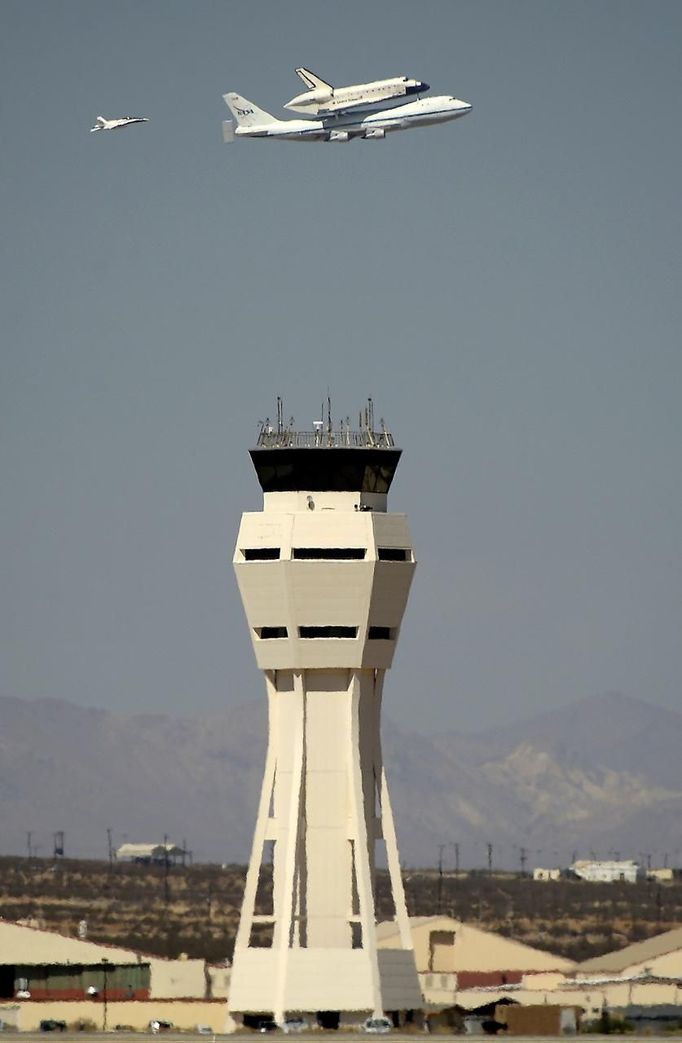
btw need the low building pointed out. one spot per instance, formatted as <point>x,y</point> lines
<point>663,875</point>
<point>545,1020</point>
<point>645,974</point>
<point>546,874</point>
<point>608,871</point>
<point>47,975</point>
<point>452,957</point>
<point>147,854</point>
<point>655,1019</point>
<point>660,957</point>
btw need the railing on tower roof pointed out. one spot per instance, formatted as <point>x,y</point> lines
<point>322,438</point>
<point>323,435</point>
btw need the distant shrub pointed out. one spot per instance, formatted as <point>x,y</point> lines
<point>83,1025</point>
<point>608,1024</point>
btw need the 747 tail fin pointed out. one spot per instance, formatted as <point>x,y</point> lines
<point>246,113</point>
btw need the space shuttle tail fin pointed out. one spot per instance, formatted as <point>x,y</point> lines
<point>246,113</point>
<point>312,81</point>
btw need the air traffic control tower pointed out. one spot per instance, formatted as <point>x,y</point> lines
<point>324,573</point>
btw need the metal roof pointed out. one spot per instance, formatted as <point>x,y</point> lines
<point>638,952</point>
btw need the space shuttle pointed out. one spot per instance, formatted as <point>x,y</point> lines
<point>322,99</point>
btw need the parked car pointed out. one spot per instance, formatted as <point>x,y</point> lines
<point>52,1025</point>
<point>267,1025</point>
<point>376,1025</point>
<point>295,1025</point>
<point>156,1025</point>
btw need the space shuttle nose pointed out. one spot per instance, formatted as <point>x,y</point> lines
<point>417,87</point>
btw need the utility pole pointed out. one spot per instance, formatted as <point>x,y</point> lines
<point>58,844</point>
<point>456,847</point>
<point>105,969</point>
<point>166,867</point>
<point>29,845</point>
<point>441,849</point>
<point>111,851</point>
<point>490,859</point>
<point>522,859</point>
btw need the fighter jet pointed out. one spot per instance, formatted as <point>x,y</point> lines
<point>253,122</point>
<point>125,121</point>
<point>321,99</point>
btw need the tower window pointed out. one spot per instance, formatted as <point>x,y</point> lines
<point>393,554</point>
<point>307,632</point>
<point>380,634</point>
<point>261,553</point>
<point>268,633</point>
<point>329,553</point>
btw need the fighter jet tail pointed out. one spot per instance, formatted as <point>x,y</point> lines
<point>246,113</point>
<point>312,81</point>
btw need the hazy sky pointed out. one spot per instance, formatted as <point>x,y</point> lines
<point>507,288</point>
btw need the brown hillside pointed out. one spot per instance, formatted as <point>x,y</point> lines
<point>195,909</point>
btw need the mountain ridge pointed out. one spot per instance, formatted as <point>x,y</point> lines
<point>601,774</point>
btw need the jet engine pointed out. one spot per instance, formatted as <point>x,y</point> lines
<point>374,132</point>
<point>338,135</point>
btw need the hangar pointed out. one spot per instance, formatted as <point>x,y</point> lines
<point>452,956</point>
<point>47,975</point>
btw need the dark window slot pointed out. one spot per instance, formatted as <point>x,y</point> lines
<point>328,632</point>
<point>261,553</point>
<point>393,554</point>
<point>329,553</point>
<point>380,634</point>
<point>267,633</point>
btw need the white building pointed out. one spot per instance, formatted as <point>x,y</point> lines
<point>606,871</point>
<point>546,874</point>
<point>157,853</point>
<point>324,574</point>
<point>663,875</point>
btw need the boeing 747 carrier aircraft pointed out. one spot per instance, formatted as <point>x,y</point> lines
<point>252,122</point>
